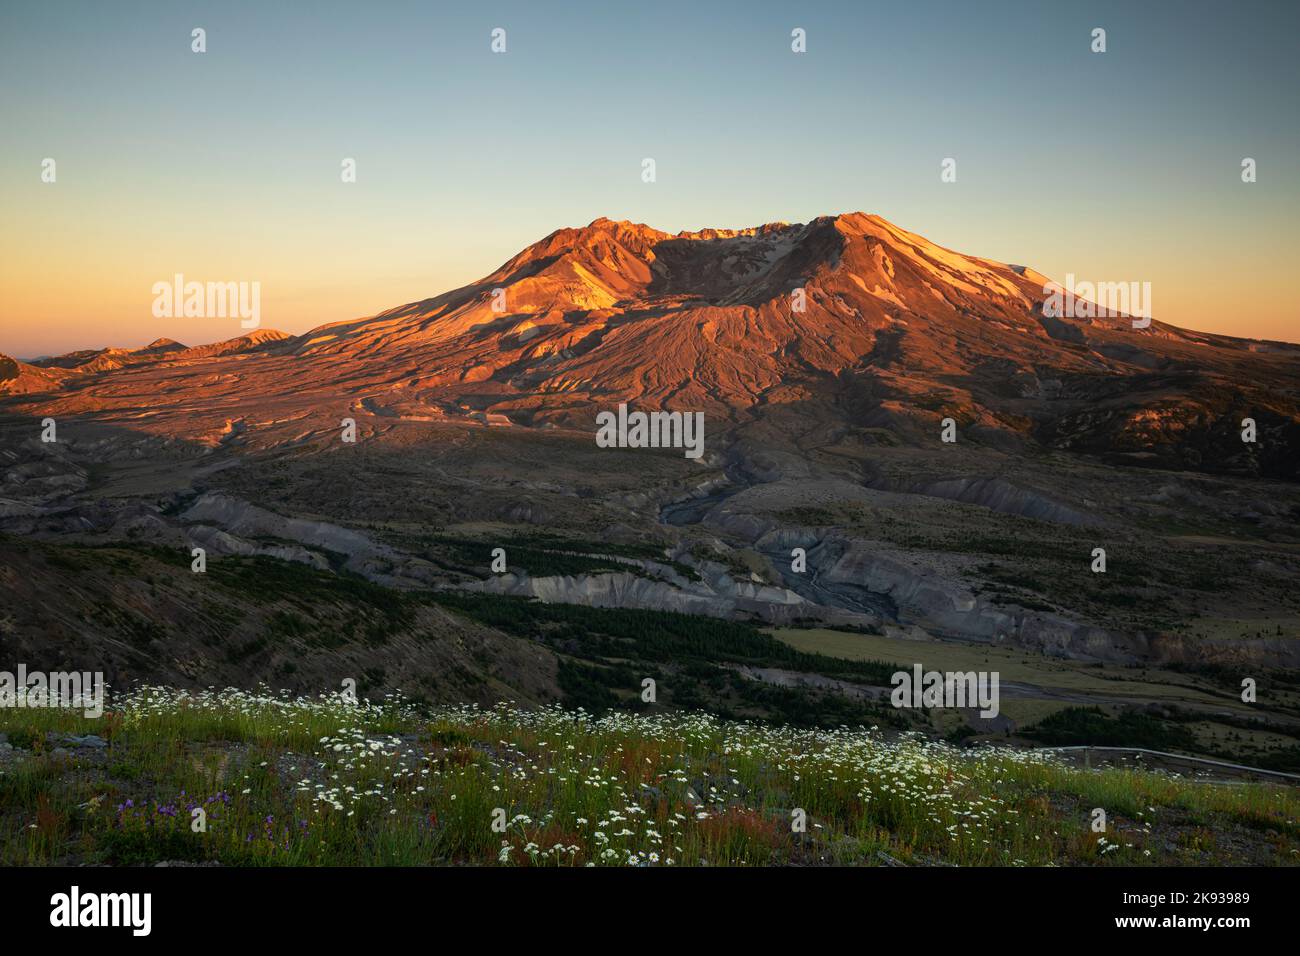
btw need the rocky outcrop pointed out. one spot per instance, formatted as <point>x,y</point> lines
<point>725,598</point>
<point>996,494</point>
<point>216,541</point>
<point>247,520</point>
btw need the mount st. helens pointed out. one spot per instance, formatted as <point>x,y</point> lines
<point>476,429</point>
<point>897,333</point>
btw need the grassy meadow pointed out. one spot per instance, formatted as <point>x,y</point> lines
<point>285,781</point>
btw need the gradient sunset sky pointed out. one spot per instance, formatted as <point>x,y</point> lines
<point>1122,166</point>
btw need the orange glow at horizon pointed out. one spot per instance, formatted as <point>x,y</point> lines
<point>67,291</point>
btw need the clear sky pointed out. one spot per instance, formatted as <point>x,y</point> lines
<point>1120,166</point>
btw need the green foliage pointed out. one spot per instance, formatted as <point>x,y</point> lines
<point>476,557</point>
<point>1091,726</point>
<point>660,636</point>
<point>604,653</point>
